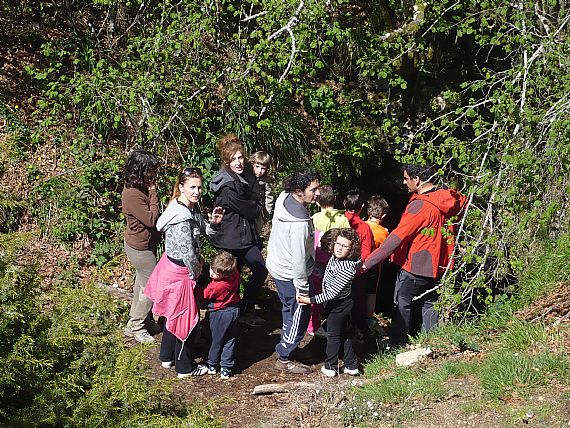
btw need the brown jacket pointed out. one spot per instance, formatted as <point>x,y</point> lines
<point>141,212</point>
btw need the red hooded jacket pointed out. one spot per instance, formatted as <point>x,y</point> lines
<point>423,242</point>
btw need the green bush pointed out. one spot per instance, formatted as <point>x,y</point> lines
<point>64,363</point>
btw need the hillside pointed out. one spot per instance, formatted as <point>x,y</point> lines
<point>350,88</point>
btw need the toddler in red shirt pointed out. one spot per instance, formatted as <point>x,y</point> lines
<point>222,299</point>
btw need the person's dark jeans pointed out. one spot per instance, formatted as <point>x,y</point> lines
<point>409,314</point>
<point>358,295</point>
<point>252,258</point>
<point>338,313</point>
<point>223,327</point>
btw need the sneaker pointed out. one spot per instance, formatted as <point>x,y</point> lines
<point>128,330</point>
<point>212,369</point>
<point>143,337</point>
<point>200,370</point>
<point>226,373</point>
<point>167,364</point>
<point>352,372</point>
<point>291,367</point>
<point>328,372</point>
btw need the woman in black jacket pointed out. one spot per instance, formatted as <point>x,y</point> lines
<point>232,191</point>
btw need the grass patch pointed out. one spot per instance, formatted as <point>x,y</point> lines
<point>521,335</point>
<point>516,358</point>
<point>505,374</point>
<point>65,364</point>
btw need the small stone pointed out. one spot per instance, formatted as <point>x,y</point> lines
<point>406,359</point>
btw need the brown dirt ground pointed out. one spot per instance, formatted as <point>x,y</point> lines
<point>255,358</point>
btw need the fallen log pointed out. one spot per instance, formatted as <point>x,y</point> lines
<point>272,388</point>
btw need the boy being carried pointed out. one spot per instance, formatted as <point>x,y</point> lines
<point>261,189</point>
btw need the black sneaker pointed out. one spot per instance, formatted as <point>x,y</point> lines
<point>291,367</point>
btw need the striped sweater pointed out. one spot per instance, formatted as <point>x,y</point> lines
<point>337,280</point>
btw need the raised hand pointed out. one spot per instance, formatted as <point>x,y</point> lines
<point>217,215</point>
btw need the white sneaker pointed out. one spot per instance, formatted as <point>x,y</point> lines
<point>128,330</point>
<point>167,364</point>
<point>144,337</point>
<point>200,370</point>
<point>352,372</point>
<point>328,372</point>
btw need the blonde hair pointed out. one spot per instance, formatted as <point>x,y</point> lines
<point>262,158</point>
<point>228,146</point>
<point>185,174</point>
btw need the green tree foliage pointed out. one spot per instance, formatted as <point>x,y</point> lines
<point>479,89</point>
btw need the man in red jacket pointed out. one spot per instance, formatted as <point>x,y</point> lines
<point>422,245</point>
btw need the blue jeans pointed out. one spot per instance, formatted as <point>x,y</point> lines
<point>173,349</point>
<point>295,318</point>
<point>223,327</point>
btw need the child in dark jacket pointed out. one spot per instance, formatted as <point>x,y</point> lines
<point>222,298</point>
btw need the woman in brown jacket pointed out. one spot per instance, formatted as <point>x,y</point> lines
<point>140,207</point>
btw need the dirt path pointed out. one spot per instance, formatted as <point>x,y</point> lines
<point>255,358</point>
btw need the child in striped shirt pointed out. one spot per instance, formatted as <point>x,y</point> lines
<point>337,301</point>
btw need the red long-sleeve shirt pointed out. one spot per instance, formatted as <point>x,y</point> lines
<point>221,293</point>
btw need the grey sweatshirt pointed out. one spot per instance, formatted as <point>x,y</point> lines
<point>291,246</point>
<point>182,228</point>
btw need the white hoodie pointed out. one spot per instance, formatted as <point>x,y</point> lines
<point>291,248</point>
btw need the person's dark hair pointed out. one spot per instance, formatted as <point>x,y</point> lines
<point>377,206</point>
<point>353,200</point>
<point>228,146</point>
<point>224,264</point>
<point>185,174</point>
<point>326,197</point>
<point>423,172</point>
<point>139,163</point>
<point>349,234</point>
<point>300,180</point>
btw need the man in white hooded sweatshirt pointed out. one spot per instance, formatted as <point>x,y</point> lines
<point>290,261</point>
